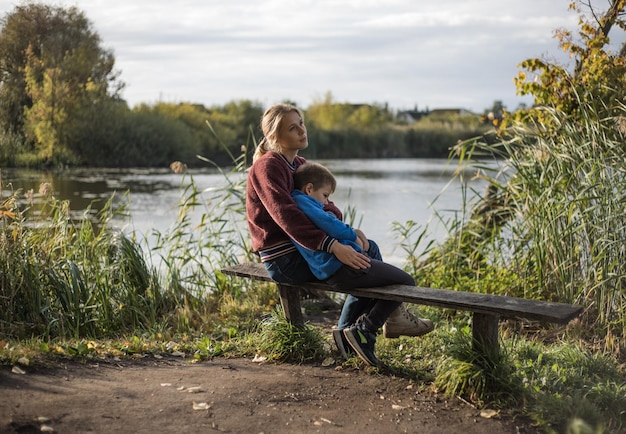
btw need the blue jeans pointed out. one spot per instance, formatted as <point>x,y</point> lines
<point>290,268</point>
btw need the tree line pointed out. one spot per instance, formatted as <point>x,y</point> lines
<point>61,104</point>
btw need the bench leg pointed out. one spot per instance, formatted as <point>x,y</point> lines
<point>485,333</point>
<point>290,300</point>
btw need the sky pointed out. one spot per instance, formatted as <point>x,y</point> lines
<point>404,53</point>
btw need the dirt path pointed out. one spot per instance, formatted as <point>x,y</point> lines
<point>228,395</point>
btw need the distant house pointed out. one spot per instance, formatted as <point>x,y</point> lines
<point>450,111</point>
<point>410,116</point>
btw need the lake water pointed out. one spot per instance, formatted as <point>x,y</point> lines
<point>381,191</point>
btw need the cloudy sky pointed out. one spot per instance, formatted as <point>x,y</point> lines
<point>407,53</point>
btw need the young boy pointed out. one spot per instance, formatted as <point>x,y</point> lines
<point>314,184</point>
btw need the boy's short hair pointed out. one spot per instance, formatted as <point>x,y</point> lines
<point>315,174</point>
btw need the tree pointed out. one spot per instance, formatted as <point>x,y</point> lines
<point>597,74</point>
<point>329,115</point>
<point>52,71</point>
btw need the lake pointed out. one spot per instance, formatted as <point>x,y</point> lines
<point>381,191</point>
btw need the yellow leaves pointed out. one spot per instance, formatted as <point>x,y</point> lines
<point>6,213</point>
<point>588,29</point>
<point>596,72</point>
<point>7,208</point>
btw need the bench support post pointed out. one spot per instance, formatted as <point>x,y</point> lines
<point>290,301</point>
<point>485,333</point>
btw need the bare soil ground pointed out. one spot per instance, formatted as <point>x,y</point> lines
<point>172,395</point>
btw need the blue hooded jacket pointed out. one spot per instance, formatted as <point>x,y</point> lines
<point>323,264</point>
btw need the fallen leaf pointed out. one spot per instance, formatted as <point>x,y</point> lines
<point>488,414</point>
<point>166,384</point>
<point>195,389</point>
<point>322,421</point>
<point>328,361</point>
<point>46,428</point>
<point>17,370</point>
<point>259,359</point>
<point>178,354</point>
<point>201,406</point>
<point>397,407</point>
<point>23,361</point>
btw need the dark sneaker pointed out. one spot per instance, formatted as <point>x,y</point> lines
<point>362,342</point>
<point>342,344</point>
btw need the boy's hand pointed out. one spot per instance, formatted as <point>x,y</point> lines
<point>359,243</point>
<point>362,240</point>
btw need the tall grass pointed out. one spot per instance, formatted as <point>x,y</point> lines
<point>209,233</point>
<point>75,279</point>
<point>555,216</point>
<point>66,278</point>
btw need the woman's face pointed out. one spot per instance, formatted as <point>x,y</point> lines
<point>292,133</point>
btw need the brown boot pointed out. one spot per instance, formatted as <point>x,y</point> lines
<point>403,323</point>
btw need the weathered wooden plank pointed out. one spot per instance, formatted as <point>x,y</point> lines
<point>489,304</point>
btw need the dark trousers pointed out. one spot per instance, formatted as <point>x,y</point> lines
<point>378,274</point>
<point>293,269</point>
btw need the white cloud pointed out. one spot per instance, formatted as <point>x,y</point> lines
<point>403,52</point>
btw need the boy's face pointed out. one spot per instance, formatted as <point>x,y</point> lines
<point>321,194</point>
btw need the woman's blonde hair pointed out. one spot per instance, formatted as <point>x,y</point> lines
<point>270,125</point>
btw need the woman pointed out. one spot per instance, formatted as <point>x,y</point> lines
<point>274,220</point>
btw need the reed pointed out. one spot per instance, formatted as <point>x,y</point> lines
<point>553,218</point>
<point>76,278</point>
<point>67,278</point>
<point>210,232</point>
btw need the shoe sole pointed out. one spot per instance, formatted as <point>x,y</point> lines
<point>356,346</point>
<point>339,343</point>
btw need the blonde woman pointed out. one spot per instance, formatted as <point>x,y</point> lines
<point>274,220</point>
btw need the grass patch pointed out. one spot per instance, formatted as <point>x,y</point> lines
<point>282,341</point>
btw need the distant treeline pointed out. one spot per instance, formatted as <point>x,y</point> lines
<point>155,135</point>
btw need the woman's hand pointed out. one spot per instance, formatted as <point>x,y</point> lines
<point>350,257</point>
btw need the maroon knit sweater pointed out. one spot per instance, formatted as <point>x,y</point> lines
<point>273,217</point>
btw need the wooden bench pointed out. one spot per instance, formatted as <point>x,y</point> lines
<point>487,308</point>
